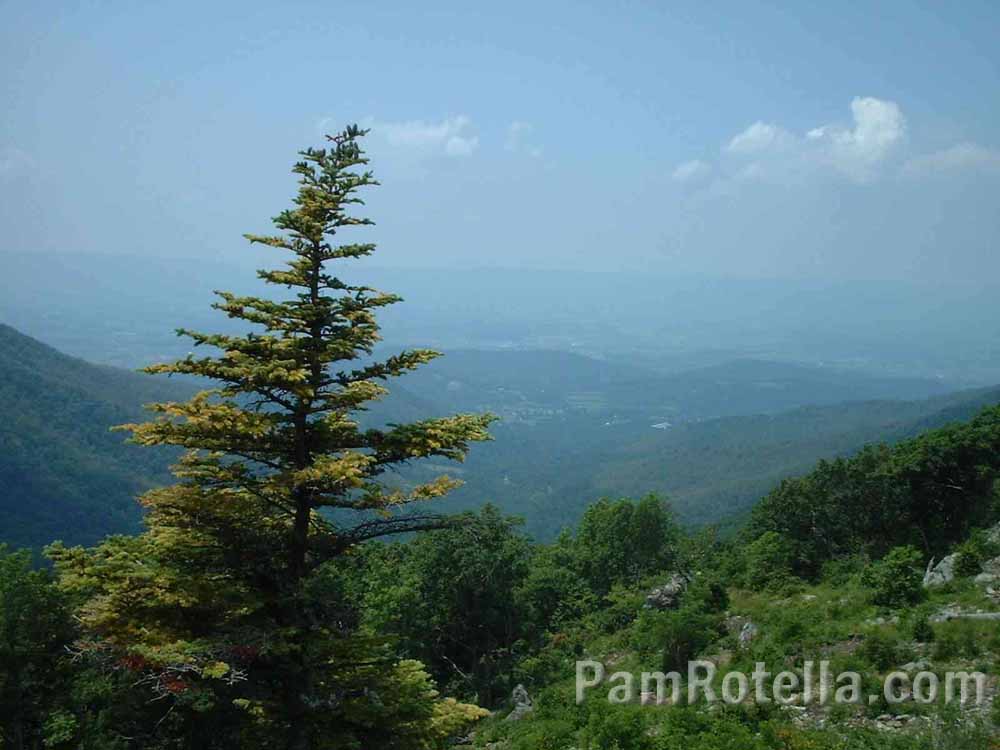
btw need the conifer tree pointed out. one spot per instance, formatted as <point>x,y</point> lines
<point>227,602</point>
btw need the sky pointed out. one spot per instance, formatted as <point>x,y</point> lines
<point>748,140</point>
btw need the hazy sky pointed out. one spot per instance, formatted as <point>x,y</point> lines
<point>848,140</point>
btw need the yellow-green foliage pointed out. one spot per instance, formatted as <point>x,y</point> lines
<point>224,608</point>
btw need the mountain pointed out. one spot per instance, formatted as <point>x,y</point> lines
<point>519,383</point>
<point>573,428</point>
<point>712,470</point>
<point>63,473</point>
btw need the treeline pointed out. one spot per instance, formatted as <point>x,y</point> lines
<point>927,492</point>
<point>474,602</point>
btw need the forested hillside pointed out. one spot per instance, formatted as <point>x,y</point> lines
<point>572,429</point>
<point>713,470</point>
<point>63,473</point>
<point>501,620</point>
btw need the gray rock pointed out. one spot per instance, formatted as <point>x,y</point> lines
<point>879,621</point>
<point>522,704</point>
<point>993,534</point>
<point>942,573</point>
<point>986,579</point>
<point>734,624</point>
<point>920,665</point>
<point>668,596</point>
<point>992,567</point>
<point>956,613</point>
<point>748,632</point>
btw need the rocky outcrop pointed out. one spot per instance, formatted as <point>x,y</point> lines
<point>957,613</point>
<point>993,535</point>
<point>992,567</point>
<point>522,704</point>
<point>748,633</point>
<point>942,573</point>
<point>920,665</point>
<point>668,596</point>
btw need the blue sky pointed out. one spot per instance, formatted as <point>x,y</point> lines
<point>843,140</point>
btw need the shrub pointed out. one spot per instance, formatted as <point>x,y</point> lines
<point>684,728</point>
<point>922,630</point>
<point>839,571</point>
<point>620,727</point>
<point>707,593</point>
<point>881,650</point>
<point>678,636</point>
<point>973,553</point>
<point>768,561</point>
<point>945,647</point>
<point>548,734</point>
<point>896,579</point>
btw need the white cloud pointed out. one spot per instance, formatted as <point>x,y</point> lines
<point>758,137</point>
<point>691,170</point>
<point>960,157</point>
<point>856,150</point>
<point>879,126</point>
<point>451,136</point>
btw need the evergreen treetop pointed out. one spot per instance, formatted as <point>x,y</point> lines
<point>227,599</point>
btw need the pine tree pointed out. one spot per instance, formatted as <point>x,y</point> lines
<point>227,602</point>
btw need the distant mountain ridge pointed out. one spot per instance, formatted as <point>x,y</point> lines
<point>712,470</point>
<point>575,428</point>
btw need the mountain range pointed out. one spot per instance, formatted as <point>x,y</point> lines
<point>573,428</point>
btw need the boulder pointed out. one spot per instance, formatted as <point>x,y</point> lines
<point>920,665</point>
<point>748,632</point>
<point>986,579</point>
<point>957,613</point>
<point>992,567</point>
<point>993,535</point>
<point>942,573</point>
<point>522,704</point>
<point>734,624</point>
<point>668,596</point>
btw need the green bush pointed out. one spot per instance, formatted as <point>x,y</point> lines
<point>839,571</point>
<point>617,728</point>
<point>967,565</point>
<point>549,734</point>
<point>973,553</point>
<point>678,636</point>
<point>946,647</point>
<point>685,728</point>
<point>922,630</point>
<point>768,561</point>
<point>897,579</point>
<point>883,651</point>
<point>707,593</point>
